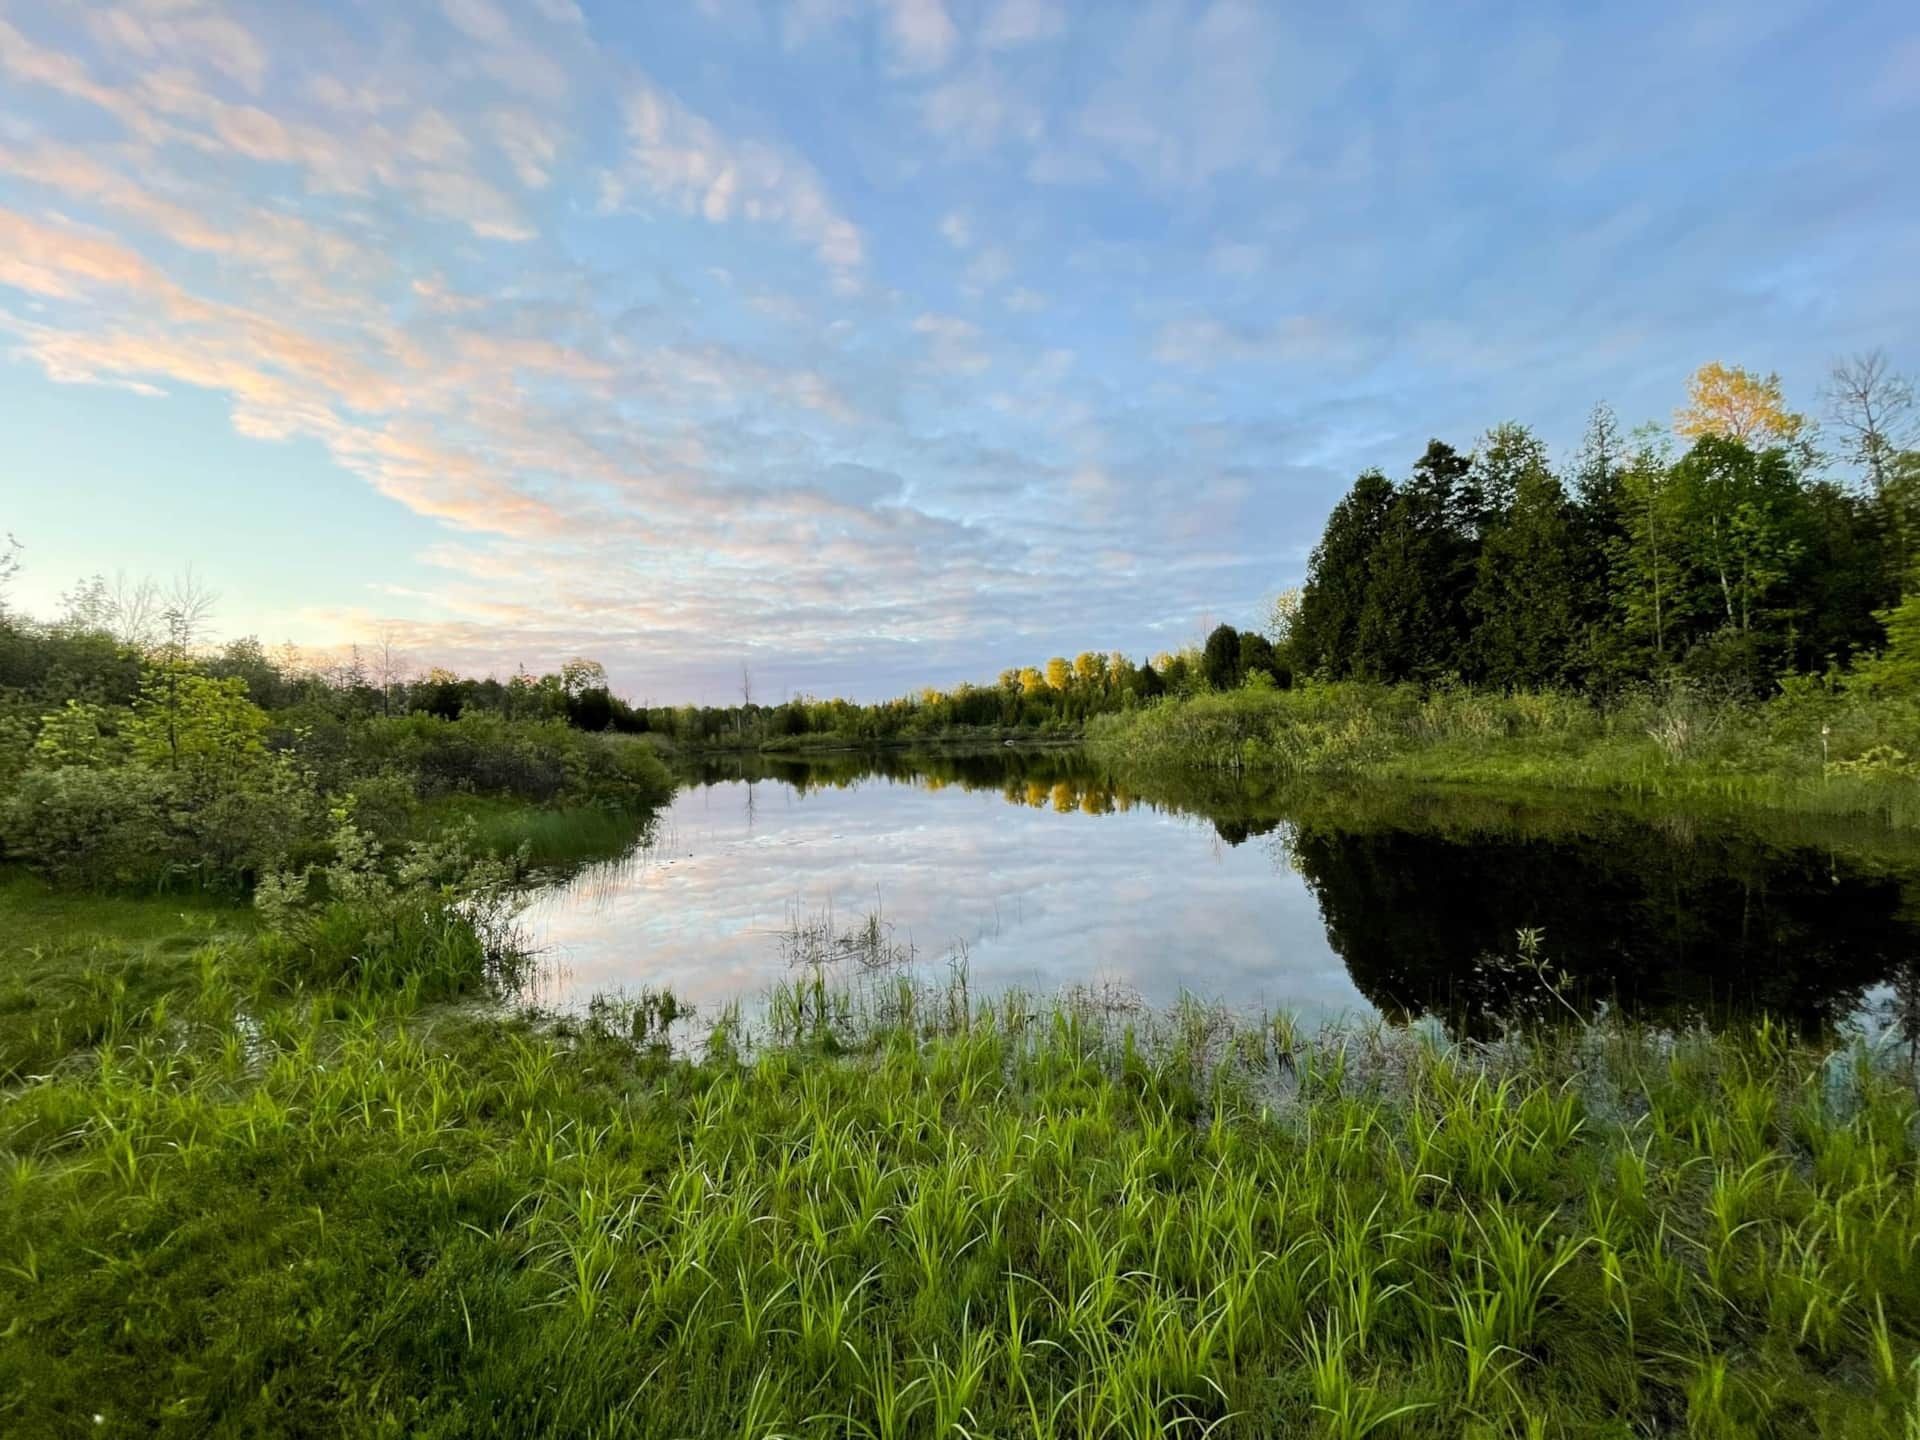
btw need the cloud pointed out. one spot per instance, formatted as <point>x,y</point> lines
<point>1188,98</point>
<point>1204,342</point>
<point>35,64</point>
<point>682,158</point>
<point>183,32</point>
<point>531,143</point>
<point>63,262</point>
<point>954,344</point>
<point>957,228</point>
<point>988,270</point>
<point>922,33</point>
<point>481,20</point>
<point>979,109</point>
<point>1013,23</point>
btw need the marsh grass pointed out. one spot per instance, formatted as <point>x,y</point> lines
<point>889,1207</point>
<point>1812,750</point>
<point>552,838</point>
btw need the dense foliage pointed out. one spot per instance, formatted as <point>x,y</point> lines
<point>160,765</point>
<point>1735,560</point>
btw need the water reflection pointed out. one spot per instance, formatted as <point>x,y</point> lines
<point>1045,873</point>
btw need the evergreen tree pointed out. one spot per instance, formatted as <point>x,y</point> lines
<point>1413,622</point>
<point>1525,602</point>
<point>1220,660</point>
<point>1846,574</point>
<point>1603,658</point>
<point>1324,633</point>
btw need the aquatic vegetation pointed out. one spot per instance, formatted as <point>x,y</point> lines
<point>887,1206</point>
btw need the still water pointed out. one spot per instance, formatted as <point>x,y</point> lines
<point>1042,874</point>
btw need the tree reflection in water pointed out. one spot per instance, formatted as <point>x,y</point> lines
<point>1672,917</point>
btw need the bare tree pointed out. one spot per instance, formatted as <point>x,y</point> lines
<point>9,567</point>
<point>390,666</point>
<point>188,608</point>
<point>746,686</point>
<point>1873,408</point>
<point>125,607</point>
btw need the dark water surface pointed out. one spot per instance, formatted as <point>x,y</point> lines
<point>1046,875</point>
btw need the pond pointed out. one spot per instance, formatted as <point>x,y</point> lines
<point>1034,870</point>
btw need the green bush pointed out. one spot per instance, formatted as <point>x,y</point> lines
<point>93,827</point>
<point>486,754</point>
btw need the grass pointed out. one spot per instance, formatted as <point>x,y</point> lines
<point>555,837</point>
<point>1811,751</point>
<point>246,1201</point>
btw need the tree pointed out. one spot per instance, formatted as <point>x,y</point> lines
<point>1735,527</point>
<point>183,718</point>
<point>1899,504</point>
<point>580,674</point>
<point>1598,537</point>
<point>1256,657</point>
<point>1896,670</point>
<point>1090,669</point>
<point>389,667</point>
<point>9,568</point>
<point>1525,596</point>
<point>1736,404</point>
<point>1059,672</point>
<point>128,609</point>
<point>1283,613</point>
<point>1506,453</point>
<point>1220,658</point>
<point>1844,577</point>
<point>1326,628</point>
<point>1873,409</point>
<point>1412,625</point>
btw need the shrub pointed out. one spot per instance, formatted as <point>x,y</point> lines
<point>486,754</point>
<point>436,923</point>
<point>94,827</point>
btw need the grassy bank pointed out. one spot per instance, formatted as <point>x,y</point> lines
<point>246,1194</point>
<point>1810,751</point>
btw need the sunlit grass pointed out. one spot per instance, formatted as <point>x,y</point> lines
<point>893,1208</point>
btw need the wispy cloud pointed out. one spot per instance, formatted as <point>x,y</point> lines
<point>684,159</point>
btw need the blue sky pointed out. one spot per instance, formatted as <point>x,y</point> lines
<point>877,343</point>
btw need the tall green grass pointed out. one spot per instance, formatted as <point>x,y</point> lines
<point>240,1205</point>
<point>1814,751</point>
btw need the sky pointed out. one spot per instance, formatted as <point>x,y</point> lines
<point>873,344</point>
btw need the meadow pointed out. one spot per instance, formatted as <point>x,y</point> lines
<point>307,1175</point>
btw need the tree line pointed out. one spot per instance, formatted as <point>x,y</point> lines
<point>1719,550</point>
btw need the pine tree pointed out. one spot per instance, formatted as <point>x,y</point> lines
<point>1323,636</point>
<point>1525,601</point>
<point>1413,621</point>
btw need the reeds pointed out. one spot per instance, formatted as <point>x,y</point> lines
<point>892,1208</point>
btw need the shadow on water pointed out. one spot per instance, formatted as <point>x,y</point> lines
<point>1667,915</point>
